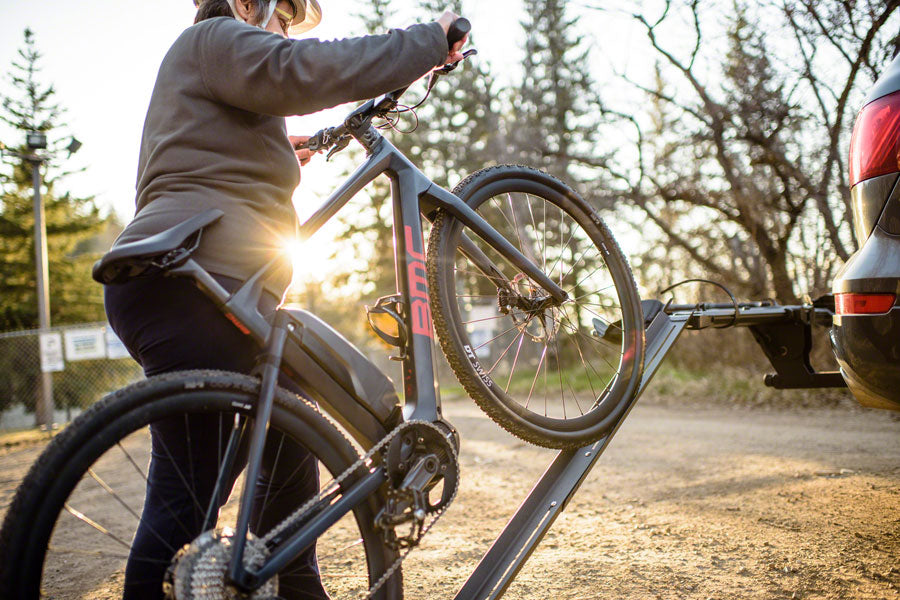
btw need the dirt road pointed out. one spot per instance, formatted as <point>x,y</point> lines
<point>700,503</point>
<point>705,502</point>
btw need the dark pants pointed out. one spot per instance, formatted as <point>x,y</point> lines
<point>168,324</point>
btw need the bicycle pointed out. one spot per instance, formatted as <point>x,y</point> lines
<point>510,247</point>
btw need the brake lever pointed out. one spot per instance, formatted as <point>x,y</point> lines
<point>338,146</point>
<point>449,67</point>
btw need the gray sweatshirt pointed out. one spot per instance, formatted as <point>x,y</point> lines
<point>215,133</point>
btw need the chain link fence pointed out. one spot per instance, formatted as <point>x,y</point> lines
<point>50,376</point>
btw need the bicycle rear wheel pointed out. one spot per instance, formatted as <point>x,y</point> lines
<point>69,529</point>
<point>554,375</point>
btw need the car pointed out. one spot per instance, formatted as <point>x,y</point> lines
<point>865,335</point>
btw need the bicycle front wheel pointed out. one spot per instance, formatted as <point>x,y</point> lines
<point>556,375</point>
<point>71,526</point>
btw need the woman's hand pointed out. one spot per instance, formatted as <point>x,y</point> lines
<point>303,154</point>
<point>445,21</point>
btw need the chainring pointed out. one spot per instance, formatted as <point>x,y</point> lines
<point>415,440</point>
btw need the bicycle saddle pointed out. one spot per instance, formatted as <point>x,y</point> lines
<point>167,249</point>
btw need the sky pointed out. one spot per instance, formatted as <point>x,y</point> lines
<point>102,57</point>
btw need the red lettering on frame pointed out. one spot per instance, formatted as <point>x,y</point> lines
<point>418,286</point>
<point>421,318</point>
<point>420,311</point>
<point>418,291</point>
<point>409,245</point>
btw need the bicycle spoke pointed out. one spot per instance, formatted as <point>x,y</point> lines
<point>536,373</point>
<point>187,432</point>
<point>189,488</point>
<point>592,312</point>
<point>562,393</point>
<point>588,275</point>
<point>103,554</point>
<point>515,360</point>
<point>595,292</point>
<point>581,256</point>
<point>269,486</point>
<point>478,347</point>
<point>499,207</point>
<point>484,319</point>
<point>574,330</point>
<point>85,519</point>
<point>493,279</point>
<point>534,225</point>
<point>144,477</point>
<point>521,333</point>
<point>512,209</point>
<point>587,365</point>
<point>124,504</point>
<point>568,383</point>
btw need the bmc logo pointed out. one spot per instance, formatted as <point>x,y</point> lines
<point>419,309</point>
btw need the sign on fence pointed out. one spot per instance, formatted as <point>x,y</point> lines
<point>85,344</point>
<point>114,346</point>
<point>51,353</point>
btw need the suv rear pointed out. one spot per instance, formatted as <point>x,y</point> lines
<point>866,332</point>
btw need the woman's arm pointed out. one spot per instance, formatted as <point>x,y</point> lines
<point>257,71</point>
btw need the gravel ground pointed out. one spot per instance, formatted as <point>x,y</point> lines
<point>698,502</point>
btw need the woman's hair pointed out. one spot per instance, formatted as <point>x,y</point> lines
<point>219,8</point>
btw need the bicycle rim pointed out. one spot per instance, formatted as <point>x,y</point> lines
<point>551,376</point>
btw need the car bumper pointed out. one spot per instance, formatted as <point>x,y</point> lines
<point>867,347</point>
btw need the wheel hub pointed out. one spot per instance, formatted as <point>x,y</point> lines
<point>198,570</point>
<point>532,310</point>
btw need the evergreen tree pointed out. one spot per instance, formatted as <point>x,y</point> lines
<point>459,129</point>
<point>555,103</point>
<point>74,297</point>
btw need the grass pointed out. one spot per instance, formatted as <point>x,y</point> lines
<point>675,384</point>
<point>23,437</point>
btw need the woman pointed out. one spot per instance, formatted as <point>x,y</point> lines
<point>215,136</point>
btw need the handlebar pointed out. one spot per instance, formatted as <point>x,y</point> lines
<point>337,138</point>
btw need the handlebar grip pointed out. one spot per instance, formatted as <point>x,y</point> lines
<point>459,29</point>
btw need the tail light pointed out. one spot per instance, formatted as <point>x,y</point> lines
<point>875,143</point>
<point>863,304</point>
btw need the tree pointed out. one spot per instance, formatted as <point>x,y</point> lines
<point>555,103</point>
<point>738,158</point>
<point>32,106</point>
<point>454,133</point>
<point>70,222</point>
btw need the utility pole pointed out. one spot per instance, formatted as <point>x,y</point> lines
<point>34,141</point>
<point>43,410</point>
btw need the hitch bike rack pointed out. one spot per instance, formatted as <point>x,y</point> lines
<point>785,336</point>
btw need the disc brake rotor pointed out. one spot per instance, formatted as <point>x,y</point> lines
<point>522,305</point>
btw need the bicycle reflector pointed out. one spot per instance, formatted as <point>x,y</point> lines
<point>863,304</point>
<point>875,143</point>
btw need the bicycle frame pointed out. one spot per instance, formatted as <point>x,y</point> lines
<point>413,195</point>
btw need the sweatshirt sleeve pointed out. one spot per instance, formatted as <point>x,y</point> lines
<point>258,71</point>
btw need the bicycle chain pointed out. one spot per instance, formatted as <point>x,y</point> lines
<point>297,514</point>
